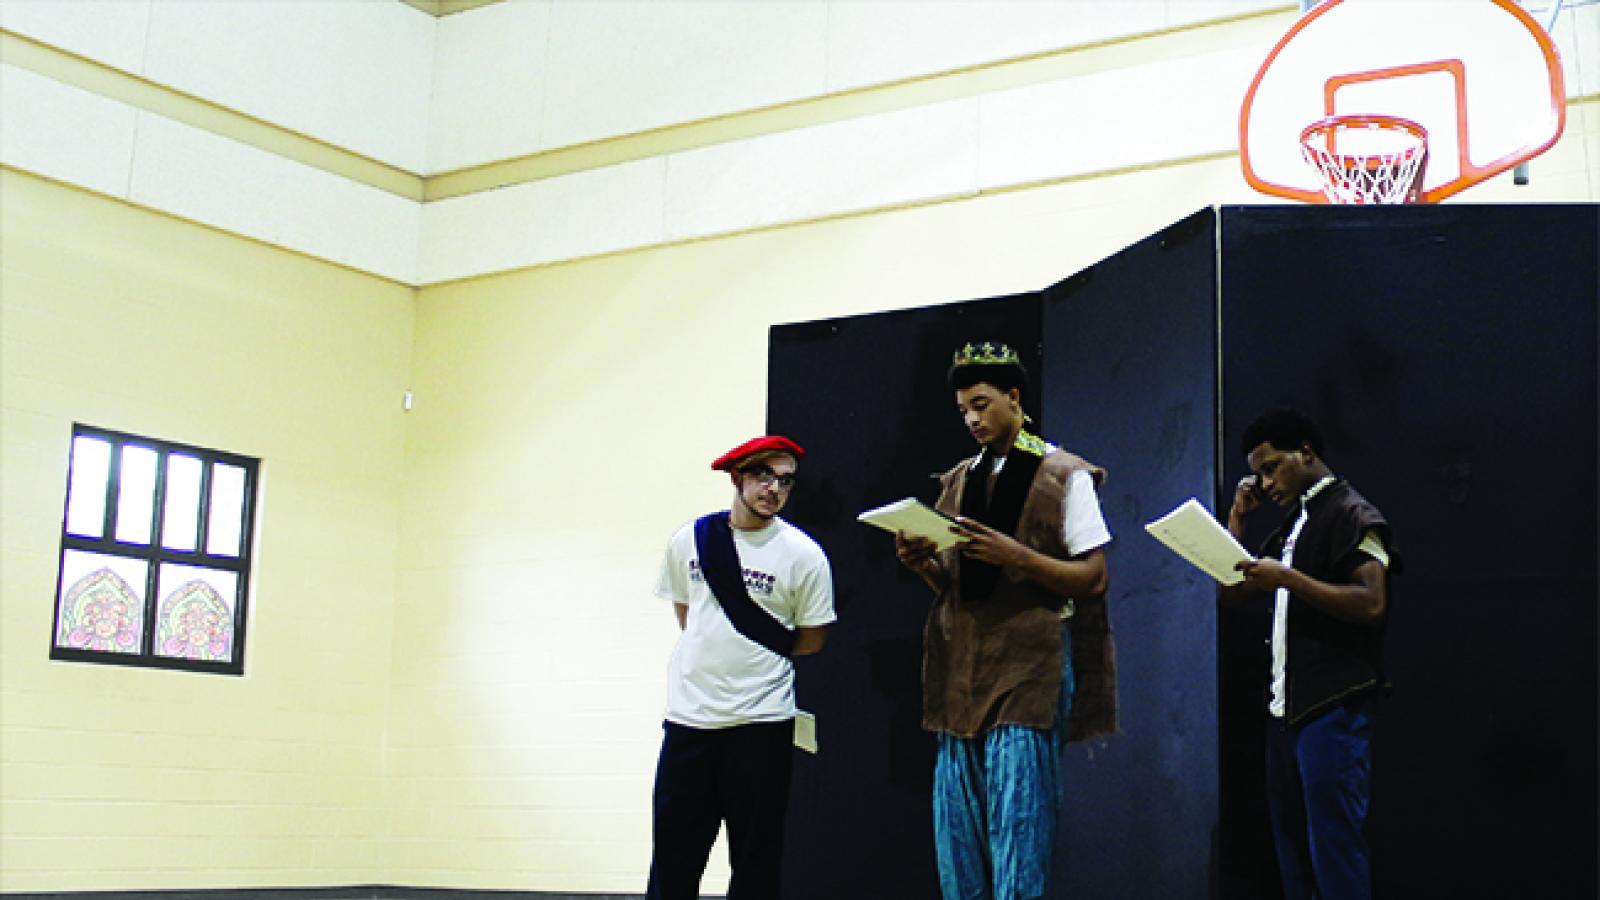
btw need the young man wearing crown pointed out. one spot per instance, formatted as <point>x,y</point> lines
<point>1017,647</point>
<point>750,591</point>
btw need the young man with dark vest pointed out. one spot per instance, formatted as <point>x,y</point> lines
<point>750,591</point>
<point>1017,647</point>
<point>1326,570</point>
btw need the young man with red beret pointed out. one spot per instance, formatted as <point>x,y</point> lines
<point>1017,654</point>
<point>750,591</point>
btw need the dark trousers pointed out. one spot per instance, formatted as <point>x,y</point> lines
<point>1319,779</point>
<point>706,777</point>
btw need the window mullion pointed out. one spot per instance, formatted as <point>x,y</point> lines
<point>247,512</point>
<point>113,490</point>
<point>252,472</point>
<point>158,521</point>
<point>202,536</point>
<point>204,513</point>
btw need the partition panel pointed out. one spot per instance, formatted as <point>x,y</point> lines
<point>1130,383</point>
<point>1123,357</point>
<point>1449,353</point>
<point>866,396</point>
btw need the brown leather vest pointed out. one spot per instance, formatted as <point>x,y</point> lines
<point>998,660</point>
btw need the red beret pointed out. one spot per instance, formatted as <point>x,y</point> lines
<point>729,461</point>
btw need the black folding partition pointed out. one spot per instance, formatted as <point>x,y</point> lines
<point>1129,382</point>
<point>865,397</point>
<point>1125,366</point>
<point>1449,351</point>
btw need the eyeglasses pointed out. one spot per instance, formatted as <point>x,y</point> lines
<point>769,478</point>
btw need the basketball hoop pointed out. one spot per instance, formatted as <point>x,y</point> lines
<point>1367,159</point>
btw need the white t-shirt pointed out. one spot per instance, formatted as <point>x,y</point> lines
<point>718,677</point>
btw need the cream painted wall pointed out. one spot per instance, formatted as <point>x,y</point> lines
<point>565,418</point>
<point>114,777</point>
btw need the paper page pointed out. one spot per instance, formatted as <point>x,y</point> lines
<point>915,518</point>
<point>1192,533</point>
<point>805,731</point>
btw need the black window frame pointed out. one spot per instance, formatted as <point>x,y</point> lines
<point>154,554</point>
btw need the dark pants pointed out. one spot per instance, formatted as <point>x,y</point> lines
<point>705,777</point>
<point>1319,779</point>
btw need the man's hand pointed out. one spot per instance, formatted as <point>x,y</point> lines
<point>920,556</point>
<point>1246,497</point>
<point>985,544</point>
<point>1266,574</point>
<point>914,552</point>
<point>1363,601</point>
<point>1083,575</point>
<point>1246,500</point>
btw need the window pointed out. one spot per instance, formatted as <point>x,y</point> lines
<point>155,554</point>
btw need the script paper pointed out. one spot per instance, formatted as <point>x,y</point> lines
<point>915,518</point>
<point>805,731</point>
<point>1193,534</point>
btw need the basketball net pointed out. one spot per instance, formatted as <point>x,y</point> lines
<point>1367,159</point>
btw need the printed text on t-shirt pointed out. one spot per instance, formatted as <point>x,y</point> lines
<point>756,582</point>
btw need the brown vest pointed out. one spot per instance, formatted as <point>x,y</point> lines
<point>998,660</point>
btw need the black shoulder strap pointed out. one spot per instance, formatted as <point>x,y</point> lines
<point>719,563</point>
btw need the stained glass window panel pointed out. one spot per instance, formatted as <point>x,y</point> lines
<point>180,523</point>
<point>227,510</point>
<point>194,619</point>
<point>101,606</point>
<point>155,568</point>
<point>86,492</point>
<point>136,497</point>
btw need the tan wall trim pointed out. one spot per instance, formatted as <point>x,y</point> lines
<point>141,93</point>
<point>69,68</point>
<point>1258,28</point>
<point>881,209</point>
<point>236,235</point>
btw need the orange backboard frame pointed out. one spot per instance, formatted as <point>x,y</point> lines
<point>1469,173</point>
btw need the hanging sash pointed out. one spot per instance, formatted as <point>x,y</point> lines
<point>1001,510</point>
<point>719,564</point>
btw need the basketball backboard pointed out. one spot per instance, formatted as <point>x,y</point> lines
<point>1481,76</point>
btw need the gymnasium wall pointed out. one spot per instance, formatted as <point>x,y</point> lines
<point>117,777</point>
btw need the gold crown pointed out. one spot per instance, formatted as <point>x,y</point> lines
<point>986,354</point>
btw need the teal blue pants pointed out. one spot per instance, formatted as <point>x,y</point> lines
<point>996,798</point>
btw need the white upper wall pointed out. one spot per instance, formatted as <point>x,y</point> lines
<point>353,73</point>
<point>386,81</point>
<point>78,137</point>
<point>520,77</point>
<point>526,76</point>
<point>523,76</point>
